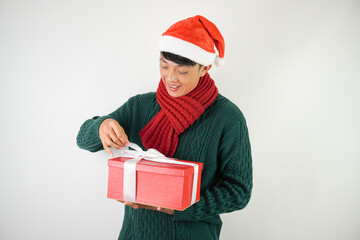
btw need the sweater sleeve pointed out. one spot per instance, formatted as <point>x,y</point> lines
<point>88,135</point>
<point>233,188</point>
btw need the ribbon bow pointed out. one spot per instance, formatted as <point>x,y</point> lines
<point>129,187</point>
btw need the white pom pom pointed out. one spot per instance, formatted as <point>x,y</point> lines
<point>219,61</point>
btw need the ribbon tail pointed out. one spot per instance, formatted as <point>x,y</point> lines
<point>129,185</point>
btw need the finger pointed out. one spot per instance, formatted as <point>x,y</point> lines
<point>133,205</point>
<point>148,207</point>
<point>130,204</point>
<point>104,139</point>
<point>115,140</point>
<point>106,147</point>
<point>109,142</point>
<point>166,210</point>
<point>120,133</point>
<point>139,206</point>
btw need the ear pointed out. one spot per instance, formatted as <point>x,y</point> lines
<point>204,70</point>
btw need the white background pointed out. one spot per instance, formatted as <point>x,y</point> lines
<point>292,67</point>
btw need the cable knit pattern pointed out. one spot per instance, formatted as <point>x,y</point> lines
<point>218,138</point>
<point>176,115</point>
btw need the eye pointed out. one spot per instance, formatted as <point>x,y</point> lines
<point>182,73</point>
<point>164,67</point>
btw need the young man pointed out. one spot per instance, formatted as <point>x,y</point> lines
<point>186,119</point>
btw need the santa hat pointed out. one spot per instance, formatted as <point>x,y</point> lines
<point>194,38</point>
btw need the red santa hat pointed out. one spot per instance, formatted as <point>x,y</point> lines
<point>194,38</point>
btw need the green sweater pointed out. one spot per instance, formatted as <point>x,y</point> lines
<point>219,139</point>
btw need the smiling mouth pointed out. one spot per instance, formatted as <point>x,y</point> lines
<point>173,87</point>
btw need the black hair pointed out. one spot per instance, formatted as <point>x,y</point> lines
<point>179,59</point>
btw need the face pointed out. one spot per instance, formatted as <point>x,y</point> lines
<point>180,79</point>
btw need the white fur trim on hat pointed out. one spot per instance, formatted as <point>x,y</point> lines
<point>187,50</point>
<point>219,61</point>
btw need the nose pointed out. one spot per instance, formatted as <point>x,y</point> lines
<point>171,77</point>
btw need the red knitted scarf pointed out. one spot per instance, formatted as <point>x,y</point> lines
<point>176,115</point>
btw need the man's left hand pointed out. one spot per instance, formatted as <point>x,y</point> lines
<point>154,208</point>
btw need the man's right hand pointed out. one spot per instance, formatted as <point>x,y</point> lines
<point>112,135</point>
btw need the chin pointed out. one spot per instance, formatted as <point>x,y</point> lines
<point>174,95</point>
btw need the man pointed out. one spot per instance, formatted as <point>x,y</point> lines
<point>186,119</point>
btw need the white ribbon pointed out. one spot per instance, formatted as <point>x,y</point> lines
<point>129,188</point>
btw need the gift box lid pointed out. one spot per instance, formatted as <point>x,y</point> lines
<point>157,167</point>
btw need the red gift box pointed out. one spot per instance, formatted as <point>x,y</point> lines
<point>159,184</point>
